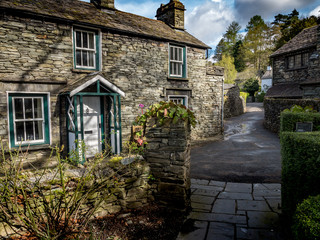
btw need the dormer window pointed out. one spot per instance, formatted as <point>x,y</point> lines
<point>177,61</point>
<point>86,49</point>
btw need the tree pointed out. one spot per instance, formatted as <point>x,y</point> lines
<point>220,49</point>
<point>232,36</point>
<point>228,41</point>
<point>251,86</point>
<point>230,71</point>
<point>255,41</point>
<point>239,56</point>
<point>290,25</point>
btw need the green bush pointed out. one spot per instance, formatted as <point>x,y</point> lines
<point>289,119</point>
<point>260,96</point>
<point>300,169</point>
<point>49,203</point>
<point>307,219</point>
<point>244,95</point>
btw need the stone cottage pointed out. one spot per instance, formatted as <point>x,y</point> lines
<point>296,66</point>
<point>296,76</point>
<point>73,71</point>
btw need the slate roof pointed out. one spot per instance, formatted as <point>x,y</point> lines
<point>75,11</point>
<point>305,39</point>
<point>267,75</point>
<point>287,90</point>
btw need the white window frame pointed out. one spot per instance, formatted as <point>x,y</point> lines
<point>24,120</point>
<point>181,64</point>
<point>29,95</point>
<point>74,39</point>
<point>183,97</point>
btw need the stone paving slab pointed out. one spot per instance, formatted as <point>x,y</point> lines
<point>262,219</point>
<point>221,231</point>
<point>202,199</point>
<point>218,217</point>
<point>238,187</point>
<point>250,205</point>
<point>217,183</point>
<point>234,195</point>
<point>225,210</point>
<point>226,206</point>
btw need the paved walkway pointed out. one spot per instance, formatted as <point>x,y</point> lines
<point>249,152</point>
<point>236,191</point>
<point>226,210</point>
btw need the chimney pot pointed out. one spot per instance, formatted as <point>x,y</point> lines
<point>104,4</point>
<point>172,14</point>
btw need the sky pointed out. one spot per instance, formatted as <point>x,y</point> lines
<point>208,19</point>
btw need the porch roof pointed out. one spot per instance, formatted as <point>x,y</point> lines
<point>286,90</point>
<point>88,80</point>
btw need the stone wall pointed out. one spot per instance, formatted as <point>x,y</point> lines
<point>234,105</point>
<point>168,155</point>
<point>36,56</point>
<point>282,75</point>
<point>273,108</point>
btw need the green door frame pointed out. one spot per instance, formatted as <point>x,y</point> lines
<point>116,112</point>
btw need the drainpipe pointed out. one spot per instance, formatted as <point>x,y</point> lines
<point>222,107</point>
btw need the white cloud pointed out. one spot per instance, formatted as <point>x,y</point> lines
<point>315,12</point>
<point>209,21</point>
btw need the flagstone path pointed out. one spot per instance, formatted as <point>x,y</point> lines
<point>226,210</point>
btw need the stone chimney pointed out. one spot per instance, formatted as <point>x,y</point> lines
<point>172,14</point>
<point>103,4</point>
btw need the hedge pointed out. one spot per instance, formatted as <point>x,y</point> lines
<point>307,219</point>
<point>288,120</point>
<point>300,169</point>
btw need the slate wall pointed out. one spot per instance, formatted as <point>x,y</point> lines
<point>36,56</point>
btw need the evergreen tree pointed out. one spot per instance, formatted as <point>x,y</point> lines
<point>290,25</point>
<point>239,56</point>
<point>255,42</point>
<point>228,41</point>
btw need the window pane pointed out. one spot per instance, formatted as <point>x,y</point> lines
<point>84,58</point>
<point>91,59</point>
<point>291,62</point>
<point>91,40</point>
<point>78,57</point>
<point>305,59</point>
<point>176,53</point>
<point>78,39</point>
<point>37,108</point>
<point>19,131</point>
<point>18,108</point>
<point>38,130</point>
<point>297,62</point>
<point>28,108</point>
<point>180,54</point>
<point>179,69</point>
<point>29,130</point>
<point>85,39</point>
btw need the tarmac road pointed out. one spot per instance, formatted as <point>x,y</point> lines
<point>249,153</point>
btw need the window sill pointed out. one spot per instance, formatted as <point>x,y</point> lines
<point>177,79</point>
<point>294,69</point>
<point>75,70</point>
<point>33,147</point>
